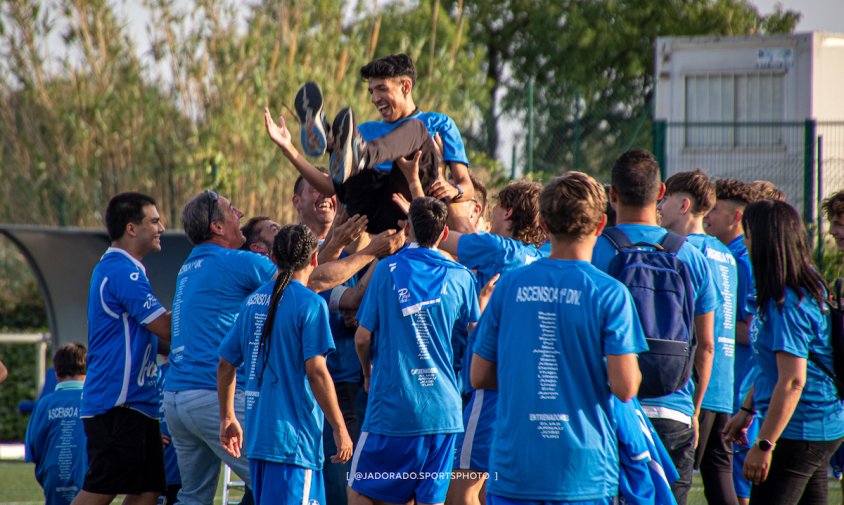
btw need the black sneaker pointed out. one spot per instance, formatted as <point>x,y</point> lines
<point>347,156</point>
<point>308,105</point>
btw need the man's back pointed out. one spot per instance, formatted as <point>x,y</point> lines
<point>413,389</point>
<point>210,287</point>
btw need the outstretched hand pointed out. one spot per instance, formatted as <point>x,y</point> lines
<point>231,436</point>
<point>277,132</point>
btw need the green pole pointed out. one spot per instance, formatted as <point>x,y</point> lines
<point>530,127</point>
<point>809,131</point>
<point>820,202</point>
<point>513,164</point>
<point>659,133</point>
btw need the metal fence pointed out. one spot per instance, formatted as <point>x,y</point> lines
<point>804,159</point>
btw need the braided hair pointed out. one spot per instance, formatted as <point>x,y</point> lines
<point>292,249</point>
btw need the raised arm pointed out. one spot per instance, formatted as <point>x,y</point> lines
<point>333,274</point>
<point>281,136</point>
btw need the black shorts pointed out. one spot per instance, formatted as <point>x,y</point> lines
<point>370,193</point>
<point>125,453</point>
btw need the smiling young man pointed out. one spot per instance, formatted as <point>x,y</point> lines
<point>362,171</point>
<point>120,397</point>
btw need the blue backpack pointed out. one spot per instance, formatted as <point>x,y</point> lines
<point>662,290</point>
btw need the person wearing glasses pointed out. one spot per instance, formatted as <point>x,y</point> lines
<point>212,283</point>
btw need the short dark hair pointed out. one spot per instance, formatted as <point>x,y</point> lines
<point>766,190</point>
<point>834,205</point>
<point>250,231</point>
<point>480,191</point>
<point>427,218</point>
<point>572,205</point>
<point>610,210</point>
<point>199,213</point>
<point>300,181</point>
<point>125,208</point>
<point>394,65</point>
<point>522,198</point>
<point>735,191</point>
<point>70,360</point>
<point>636,178</point>
<point>698,185</point>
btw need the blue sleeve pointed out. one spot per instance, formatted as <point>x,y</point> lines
<point>706,297</point>
<point>791,328</point>
<point>368,310</point>
<point>622,332</point>
<point>470,312</point>
<point>486,332</point>
<point>602,254</point>
<point>453,149</point>
<point>316,332</point>
<point>479,249</point>
<point>745,286</point>
<point>131,290</point>
<point>231,348</point>
<point>256,270</point>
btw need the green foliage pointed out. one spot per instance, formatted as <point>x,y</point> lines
<point>592,63</point>
<point>20,385</point>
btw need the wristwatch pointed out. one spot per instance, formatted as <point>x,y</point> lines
<point>765,445</point>
<point>459,193</point>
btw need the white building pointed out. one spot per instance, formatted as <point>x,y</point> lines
<point>738,107</point>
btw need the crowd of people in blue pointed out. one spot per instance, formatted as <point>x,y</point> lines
<point>583,344</point>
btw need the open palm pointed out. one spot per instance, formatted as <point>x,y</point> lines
<point>277,132</point>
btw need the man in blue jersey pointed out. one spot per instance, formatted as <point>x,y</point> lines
<point>362,172</point>
<point>120,397</point>
<point>559,339</point>
<point>688,197</point>
<point>55,437</point>
<point>415,300</point>
<point>724,223</point>
<point>635,190</point>
<point>258,233</point>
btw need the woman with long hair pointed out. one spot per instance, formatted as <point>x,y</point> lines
<point>802,416</point>
<point>282,334</point>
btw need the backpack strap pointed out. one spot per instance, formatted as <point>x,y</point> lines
<point>617,238</point>
<point>673,242</point>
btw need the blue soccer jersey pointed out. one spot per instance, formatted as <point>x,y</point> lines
<point>343,363</point>
<point>702,286</point>
<point>489,254</point>
<point>453,149</point>
<point>55,442</point>
<point>744,294</point>
<point>283,419</point>
<point>210,287</point>
<point>413,389</point>
<point>722,264</point>
<point>548,328</point>
<point>121,351</point>
<point>799,328</point>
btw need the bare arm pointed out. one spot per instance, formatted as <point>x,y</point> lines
<point>281,136</point>
<point>323,389</point>
<point>483,373</point>
<point>333,274</point>
<point>343,232</point>
<point>161,326</point>
<point>791,377</point>
<point>352,297</point>
<point>624,375</point>
<point>363,341</point>
<point>231,434</point>
<point>705,353</point>
<point>3,372</point>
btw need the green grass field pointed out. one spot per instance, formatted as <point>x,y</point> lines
<point>18,487</point>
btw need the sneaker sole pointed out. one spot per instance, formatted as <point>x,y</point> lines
<point>342,157</point>
<point>308,105</point>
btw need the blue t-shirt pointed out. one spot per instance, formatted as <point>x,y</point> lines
<point>722,264</point>
<point>210,287</point>
<point>453,149</point>
<point>702,286</point>
<point>413,388</point>
<point>343,363</point>
<point>283,419</point>
<point>171,464</point>
<point>799,328</point>
<point>548,327</point>
<point>745,296</point>
<point>489,254</point>
<point>55,442</point>
<point>121,351</point>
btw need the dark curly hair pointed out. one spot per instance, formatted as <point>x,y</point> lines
<point>292,249</point>
<point>394,65</point>
<point>736,191</point>
<point>572,205</point>
<point>522,198</point>
<point>698,185</point>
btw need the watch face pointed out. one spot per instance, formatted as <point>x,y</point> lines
<point>765,445</point>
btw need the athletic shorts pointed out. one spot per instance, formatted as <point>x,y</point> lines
<point>741,484</point>
<point>500,500</point>
<point>400,469</point>
<point>472,446</point>
<point>125,453</point>
<point>285,484</point>
<point>370,193</point>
